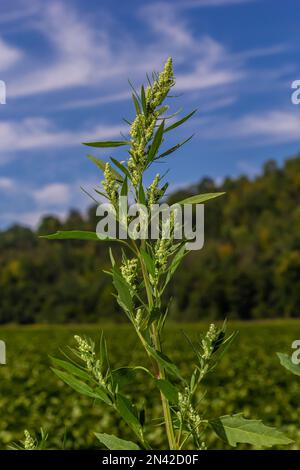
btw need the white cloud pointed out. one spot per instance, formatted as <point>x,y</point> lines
<point>9,55</point>
<point>82,55</point>
<point>36,133</point>
<point>6,183</point>
<point>91,102</point>
<point>85,56</point>
<point>28,219</point>
<point>55,193</point>
<point>211,3</point>
<point>279,125</point>
<point>274,126</point>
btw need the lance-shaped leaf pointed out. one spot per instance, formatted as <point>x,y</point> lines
<point>200,198</point>
<point>285,361</point>
<point>175,263</point>
<point>124,295</point>
<point>129,414</point>
<point>107,143</point>
<point>143,100</point>
<point>157,140</point>
<point>115,443</point>
<point>164,361</point>
<point>168,390</point>
<point>236,429</point>
<point>149,262</point>
<point>173,149</point>
<point>181,121</point>
<point>81,387</point>
<point>136,104</point>
<point>71,368</point>
<point>121,167</point>
<point>125,375</point>
<point>101,164</point>
<point>76,235</point>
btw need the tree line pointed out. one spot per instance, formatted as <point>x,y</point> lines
<point>249,267</point>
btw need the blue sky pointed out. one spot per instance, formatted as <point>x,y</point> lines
<point>66,65</point>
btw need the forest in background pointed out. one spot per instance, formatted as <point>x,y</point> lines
<point>249,267</point>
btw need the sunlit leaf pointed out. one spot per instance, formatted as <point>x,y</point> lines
<point>200,198</point>
<point>285,361</point>
<point>236,429</point>
<point>115,443</point>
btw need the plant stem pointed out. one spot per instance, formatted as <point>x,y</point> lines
<point>161,371</point>
<point>165,402</point>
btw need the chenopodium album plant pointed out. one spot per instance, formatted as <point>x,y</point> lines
<point>140,280</point>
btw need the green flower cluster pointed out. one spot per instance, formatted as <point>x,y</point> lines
<point>154,192</point>
<point>88,356</point>
<point>188,415</point>
<point>156,93</point>
<point>208,341</point>
<point>141,133</point>
<point>129,270</point>
<point>29,443</point>
<point>110,185</point>
<point>142,128</point>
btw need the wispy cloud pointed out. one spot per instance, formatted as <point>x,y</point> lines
<point>36,133</point>
<point>6,183</point>
<point>55,193</point>
<point>96,101</point>
<point>274,126</point>
<point>9,55</point>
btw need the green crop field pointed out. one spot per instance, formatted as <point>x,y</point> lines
<point>249,379</point>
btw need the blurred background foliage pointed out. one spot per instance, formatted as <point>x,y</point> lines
<point>249,379</point>
<point>249,267</point>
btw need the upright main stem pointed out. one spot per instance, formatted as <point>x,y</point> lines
<point>161,371</point>
<point>164,401</point>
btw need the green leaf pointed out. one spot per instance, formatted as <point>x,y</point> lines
<point>181,121</point>
<point>236,429</point>
<point>107,144</point>
<point>168,390</point>
<point>75,235</point>
<point>141,194</point>
<point>101,164</point>
<point>103,350</point>
<point>124,189</point>
<point>115,443</point>
<point>136,104</point>
<point>173,149</point>
<point>155,313</point>
<point>149,262</point>
<point>175,263</point>
<point>200,198</point>
<point>143,100</point>
<point>82,387</point>
<point>128,413</point>
<point>122,288</point>
<point>69,367</point>
<point>74,383</point>
<point>121,167</point>
<point>285,361</point>
<point>157,140</point>
<point>72,235</point>
<point>164,361</point>
<point>123,376</point>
